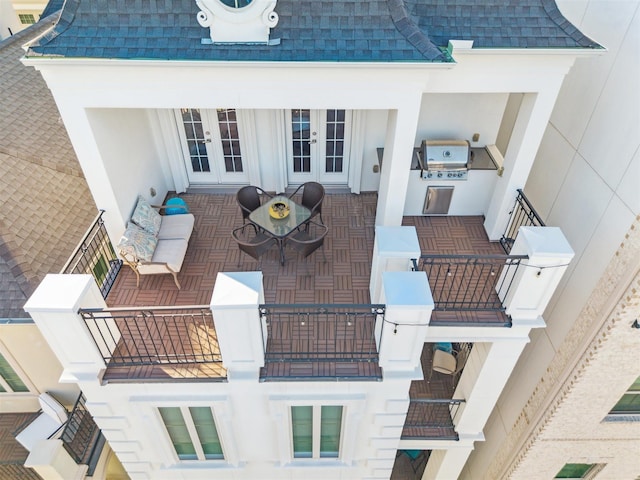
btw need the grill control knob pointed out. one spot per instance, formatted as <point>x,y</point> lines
<point>440,175</point>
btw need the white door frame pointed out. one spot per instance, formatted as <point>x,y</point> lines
<point>316,143</point>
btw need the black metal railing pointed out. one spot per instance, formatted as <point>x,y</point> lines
<point>321,333</point>
<point>81,437</point>
<point>95,256</point>
<point>429,418</point>
<point>522,215</point>
<point>469,282</point>
<point>154,335</point>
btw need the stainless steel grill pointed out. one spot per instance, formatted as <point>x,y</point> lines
<point>445,159</point>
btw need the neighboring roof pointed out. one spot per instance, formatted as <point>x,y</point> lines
<point>46,205</point>
<point>12,454</point>
<point>310,30</point>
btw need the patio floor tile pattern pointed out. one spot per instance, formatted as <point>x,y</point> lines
<point>338,274</point>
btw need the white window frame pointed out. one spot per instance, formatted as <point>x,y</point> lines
<point>353,406</point>
<point>19,372</point>
<point>193,434</point>
<point>316,423</point>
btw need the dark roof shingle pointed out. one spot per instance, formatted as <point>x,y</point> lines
<point>310,30</point>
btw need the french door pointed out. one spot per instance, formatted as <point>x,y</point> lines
<point>211,146</point>
<point>318,146</point>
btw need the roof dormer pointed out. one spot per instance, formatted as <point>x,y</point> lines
<point>237,21</point>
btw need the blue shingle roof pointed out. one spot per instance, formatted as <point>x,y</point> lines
<point>52,7</point>
<point>310,30</point>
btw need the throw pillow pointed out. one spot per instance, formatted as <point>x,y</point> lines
<point>146,217</point>
<point>138,243</point>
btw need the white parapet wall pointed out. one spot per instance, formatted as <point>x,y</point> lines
<point>252,417</point>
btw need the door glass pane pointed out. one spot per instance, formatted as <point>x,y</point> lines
<point>178,433</point>
<point>335,141</point>
<point>302,430</point>
<point>301,132</point>
<point>330,425</point>
<point>11,377</point>
<point>228,125</point>
<point>207,433</point>
<point>194,132</point>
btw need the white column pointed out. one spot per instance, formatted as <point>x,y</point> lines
<point>393,249</point>
<point>447,464</point>
<point>537,278</point>
<point>408,310</point>
<point>527,133</point>
<point>52,462</point>
<point>241,332</point>
<point>402,125</point>
<point>54,308</point>
<point>485,375</point>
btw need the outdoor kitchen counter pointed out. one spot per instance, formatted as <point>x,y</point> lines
<point>470,197</point>
<point>480,160</point>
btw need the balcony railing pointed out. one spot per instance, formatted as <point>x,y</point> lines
<point>431,419</point>
<point>154,335</point>
<point>95,256</point>
<point>469,282</point>
<point>337,337</point>
<point>81,437</point>
<point>522,215</point>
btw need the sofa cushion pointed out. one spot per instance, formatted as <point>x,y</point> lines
<point>176,226</point>
<point>168,253</point>
<point>138,243</point>
<point>146,217</point>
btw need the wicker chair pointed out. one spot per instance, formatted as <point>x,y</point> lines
<point>248,199</point>
<point>308,240</point>
<point>254,246</point>
<point>312,197</point>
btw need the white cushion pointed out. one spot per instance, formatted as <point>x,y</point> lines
<point>170,252</point>
<point>52,407</point>
<point>176,226</point>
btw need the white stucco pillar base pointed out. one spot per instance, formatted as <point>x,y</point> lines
<point>393,249</point>
<point>54,308</point>
<point>241,332</point>
<point>52,462</point>
<point>408,310</point>
<point>536,279</point>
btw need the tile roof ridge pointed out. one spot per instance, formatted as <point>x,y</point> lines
<point>57,167</point>
<point>413,34</point>
<point>551,9</point>
<point>11,254</point>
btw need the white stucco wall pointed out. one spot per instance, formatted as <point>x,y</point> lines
<point>26,350</point>
<point>585,179</point>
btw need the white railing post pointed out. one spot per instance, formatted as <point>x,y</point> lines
<point>54,308</point>
<point>401,335</point>
<point>241,332</point>
<point>393,250</point>
<point>536,279</point>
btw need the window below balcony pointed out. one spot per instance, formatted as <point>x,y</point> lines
<point>316,431</point>
<point>193,432</point>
